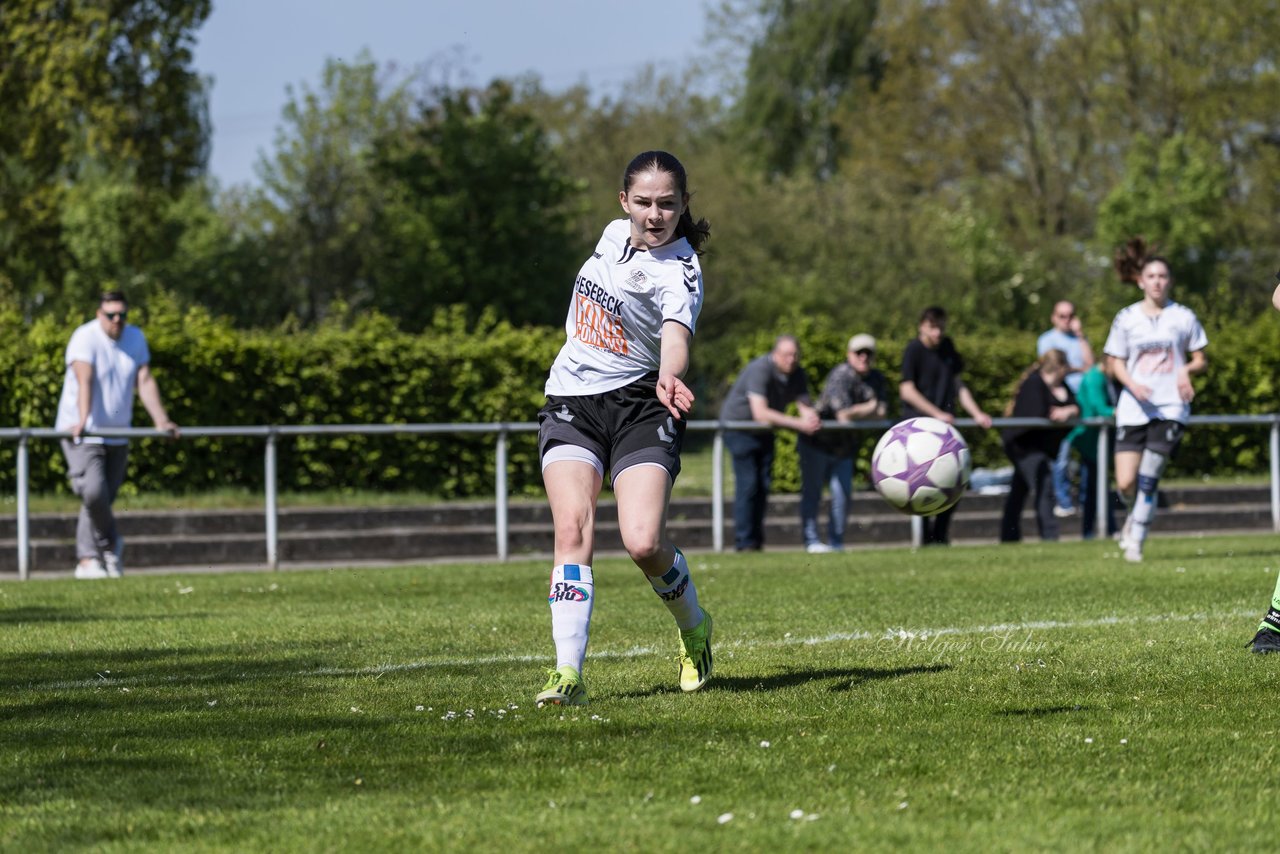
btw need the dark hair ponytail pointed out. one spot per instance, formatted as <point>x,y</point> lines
<point>694,231</point>
<point>1132,258</point>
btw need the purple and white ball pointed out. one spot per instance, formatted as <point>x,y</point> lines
<point>921,466</point>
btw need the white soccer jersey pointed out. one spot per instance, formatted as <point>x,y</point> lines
<point>621,299</point>
<point>1153,349</point>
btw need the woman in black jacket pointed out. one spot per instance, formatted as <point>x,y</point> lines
<point>1041,394</point>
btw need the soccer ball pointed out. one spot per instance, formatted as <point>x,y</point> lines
<point>921,466</point>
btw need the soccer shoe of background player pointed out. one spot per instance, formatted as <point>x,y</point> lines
<point>90,569</point>
<point>1132,551</point>
<point>563,688</point>
<point>1265,641</point>
<point>695,659</point>
<point>1123,535</point>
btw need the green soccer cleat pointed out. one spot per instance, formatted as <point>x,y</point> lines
<point>564,688</point>
<point>695,660</point>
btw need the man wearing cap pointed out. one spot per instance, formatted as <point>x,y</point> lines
<point>853,390</point>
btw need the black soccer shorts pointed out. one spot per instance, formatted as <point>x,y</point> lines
<point>623,427</point>
<point>1160,435</point>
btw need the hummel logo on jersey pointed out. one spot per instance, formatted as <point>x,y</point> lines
<point>664,435</point>
<point>596,255</point>
<point>690,274</point>
<point>562,592</point>
<point>637,280</point>
<point>563,414</point>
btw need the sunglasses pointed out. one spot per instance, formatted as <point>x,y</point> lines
<point>115,315</point>
<point>867,353</point>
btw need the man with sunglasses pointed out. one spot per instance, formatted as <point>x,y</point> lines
<point>853,390</point>
<point>106,359</point>
<point>1066,334</point>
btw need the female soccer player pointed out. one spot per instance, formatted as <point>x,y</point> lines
<point>615,399</point>
<point>1154,348</point>
<point>1267,640</point>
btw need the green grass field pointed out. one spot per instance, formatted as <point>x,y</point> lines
<point>1014,698</point>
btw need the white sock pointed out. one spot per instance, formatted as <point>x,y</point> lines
<point>571,597</point>
<point>675,588</point>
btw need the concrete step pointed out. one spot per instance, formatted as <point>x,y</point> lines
<point>339,535</point>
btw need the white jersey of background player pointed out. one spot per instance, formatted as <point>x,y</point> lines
<point>621,298</point>
<point>1153,349</point>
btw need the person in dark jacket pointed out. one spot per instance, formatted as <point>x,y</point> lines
<point>1041,394</point>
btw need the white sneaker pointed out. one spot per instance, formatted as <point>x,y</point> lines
<point>818,548</point>
<point>112,565</point>
<point>91,569</point>
<point>1063,512</point>
<point>113,559</point>
<point>1132,552</point>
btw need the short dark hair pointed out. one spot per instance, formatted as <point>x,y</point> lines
<point>112,296</point>
<point>935,314</point>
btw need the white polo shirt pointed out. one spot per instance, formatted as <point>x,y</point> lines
<point>115,372</point>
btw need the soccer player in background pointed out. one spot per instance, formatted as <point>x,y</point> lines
<point>1155,346</point>
<point>615,400</point>
<point>1267,640</point>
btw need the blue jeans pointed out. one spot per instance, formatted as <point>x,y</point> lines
<point>752,455</point>
<point>1062,477</point>
<point>818,468</point>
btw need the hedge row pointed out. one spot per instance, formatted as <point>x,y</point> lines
<point>362,369</point>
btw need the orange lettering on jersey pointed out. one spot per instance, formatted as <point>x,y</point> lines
<point>598,328</point>
<point>1155,360</point>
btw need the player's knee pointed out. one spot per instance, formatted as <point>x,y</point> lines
<point>573,532</point>
<point>643,544</point>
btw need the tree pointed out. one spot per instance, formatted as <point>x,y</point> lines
<point>477,212</point>
<point>90,90</point>
<point>317,206</point>
<point>810,63</point>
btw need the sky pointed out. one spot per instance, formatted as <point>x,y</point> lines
<point>254,49</point>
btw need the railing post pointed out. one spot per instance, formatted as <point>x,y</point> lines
<point>717,491</point>
<point>24,510</point>
<point>1103,486</point>
<point>500,495</point>
<point>1275,475</point>
<point>272,511</point>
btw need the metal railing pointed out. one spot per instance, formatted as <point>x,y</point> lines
<point>502,431</point>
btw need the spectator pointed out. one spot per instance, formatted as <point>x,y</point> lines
<point>761,393</point>
<point>106,358</point>
<point>852,390</point>
<point>1067,335</point>
<point>931,385</point>
<point>1095,400</point>
<point>1041,394</point>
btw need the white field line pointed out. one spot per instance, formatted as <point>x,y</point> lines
<point>105,680</point>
